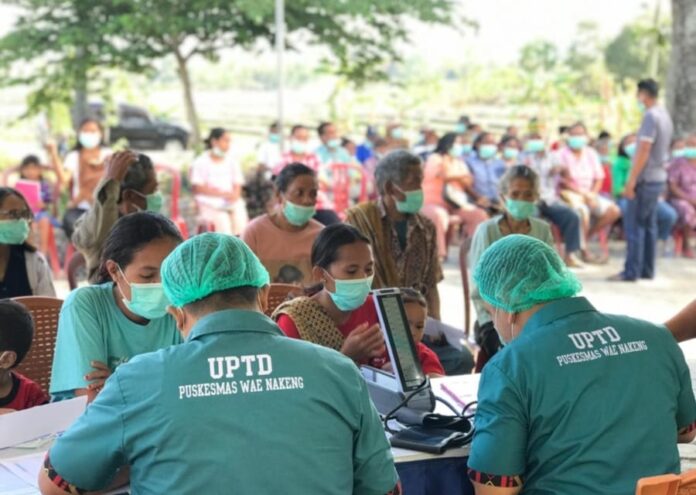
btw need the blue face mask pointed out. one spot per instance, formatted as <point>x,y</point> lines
<point>397,133</point>
<point>466,148</point>
<point>274,138</point>
<point>147,300</point>
<point>520,210</point>
<point>510,153</point>
<point>351,294</point>
<point>413,202</point>
<point>690,153</point>
<point>457,150</point>
<point>535,146</point>
<point>298,147</point>
<point>630,149</point>
<point>298,215</point>
<point>14,232</point>
<point>460,128</point>
<point>487,151</point>
<point>334,143</point>
<point>577,142</point>
<point>641,106</point>
<point>679,153</point>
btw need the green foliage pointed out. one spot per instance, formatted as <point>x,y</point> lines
<point>629,55</point>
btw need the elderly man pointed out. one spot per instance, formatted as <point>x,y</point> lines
<point>236,408</point>
<point>578,401</point>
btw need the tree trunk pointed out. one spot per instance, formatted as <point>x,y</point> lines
<point>681,87</point>
<point>191,114</point>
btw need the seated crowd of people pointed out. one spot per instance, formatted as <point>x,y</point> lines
<point>159,302</point>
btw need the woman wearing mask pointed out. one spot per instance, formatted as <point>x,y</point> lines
<point>102,326</point>
<point>283,239</point>
<point>445,182</point>
<point>23,271</point>
<point>84,166</point>
<point>487,169</point>
<point>682,190</point>
<point>519,192</point>
<point>129,185</point>
<point>217,181</point>
<point>510,147</point>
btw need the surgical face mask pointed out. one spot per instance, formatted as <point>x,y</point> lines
<point>487,151</point>
<point>605,159</point>
<point>466,148</point>
<point>690,153</point>
<point>351,294</point>
<point>535,146</point>
<point>298,215</point>
<point>641,106</point>
<point>89,140</point>
<point>520,210</point>
<point>14,231</point>
<point>457,150</point>
<point>679,153</point>
<point>153,202</point>
<point>577,142</point>
<point>460,128</point>
<point>510,153</point>
<point>630,149</point>
<point>413,202</point>
<point>147,300</point>
<point>218,152</point>
<point>274,138</point>
<point>397,133</point>
<point>298,147</point>
<point>334,143</point>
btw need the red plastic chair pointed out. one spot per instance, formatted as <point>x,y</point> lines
<point>175,176</point>
<point>342,178</point>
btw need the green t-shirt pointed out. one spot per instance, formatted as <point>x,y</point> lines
<point>237,408</point>
<point>620,170</point>
<point>583,403</point>
<point>93,328</point>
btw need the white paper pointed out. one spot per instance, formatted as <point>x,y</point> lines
<point>25,467</point>
<point>454,336</point>
<point>36,422</point>
<point>458,390</point>
<point>11,484</point>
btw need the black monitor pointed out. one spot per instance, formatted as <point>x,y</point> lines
<point>398,339</point>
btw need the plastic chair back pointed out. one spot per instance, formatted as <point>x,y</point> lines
<point>38,362</point>
<point>687,485</point>
<point>342,179</point>
<point>464,269</point>
<point>175,176</point>
<point>666,484</point>
<point>278,294</point>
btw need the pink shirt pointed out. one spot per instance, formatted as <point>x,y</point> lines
<point>584,170</point>
<point>436,172</point>
<point>286,255</point>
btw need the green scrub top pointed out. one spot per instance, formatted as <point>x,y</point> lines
<point>583,403</point>
<point>91,327</point>
<point>237,408</point>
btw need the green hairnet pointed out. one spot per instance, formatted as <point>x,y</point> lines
<point>518,272</point>
<point>210,263</point>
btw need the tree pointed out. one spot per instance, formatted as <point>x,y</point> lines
<point>540,55</point>
<point>361,35</point>
<point>681,93</point>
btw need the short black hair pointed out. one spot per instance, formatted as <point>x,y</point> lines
<point>30,160</point>
<point>322,127</point>
<point>16,330</point>
<point>649,86</point>
<point>215,134</point>
<point>6,192</point>
<point>410,295</point>
<point>290,173</point>
<point>604,134</point>
<point>130,234</point>
<point>224,299</point>
<point>505,140</point>
<point>330,240</point>
<point>296,128</point>
<point>137,174</point>
<point>446,143</point>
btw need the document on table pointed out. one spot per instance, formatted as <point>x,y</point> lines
<point>18,476</point>
<point>31,424</point>
<point>459,390</point>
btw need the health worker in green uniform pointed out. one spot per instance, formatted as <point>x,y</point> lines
<point>578,402</point>
<point>237,408</point>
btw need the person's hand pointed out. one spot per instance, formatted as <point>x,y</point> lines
<point>388,367</point>
<point>630,189</point>
<point>364,342</point>
<point>98,376</point>
<point>591,200</point>
<point>117,165</point>
<point>483,202</point>
<point>50,146</point>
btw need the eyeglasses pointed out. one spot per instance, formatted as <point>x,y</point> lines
<point>16,214</point>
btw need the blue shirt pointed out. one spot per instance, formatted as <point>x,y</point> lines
<point>237,408</point>
<point>582,403</point>
<point>328,156</point>
<point>487,174</point>
<point>91,327</point>
<point>364,152</point>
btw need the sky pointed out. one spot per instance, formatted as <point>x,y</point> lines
<point>504,26</point>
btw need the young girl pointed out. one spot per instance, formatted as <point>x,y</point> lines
<point>23,271</point>
<point>103,326</point>
<point>17,392</point>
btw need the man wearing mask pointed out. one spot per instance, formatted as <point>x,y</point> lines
<point>129,185</point>
<point>330,150</point>
<point>268,154</point>
<point>646,182</point>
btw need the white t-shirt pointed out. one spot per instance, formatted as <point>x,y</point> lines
<point>269,154</point>
<point>71,163</point>
<point>224,176</point>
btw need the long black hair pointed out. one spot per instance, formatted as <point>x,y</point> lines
<point>479,140</point>
<point>290,173</point>
<point>446,143</point>
<point>130,234</point>
<point>8,191</point>
<point>215,134</point>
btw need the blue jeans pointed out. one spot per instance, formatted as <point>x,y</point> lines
<point>568,222</point>
<point>640,226</point>
<point>667,217</point>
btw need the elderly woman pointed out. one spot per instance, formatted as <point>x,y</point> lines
<point>576,396</point>
<point>519,192</point>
